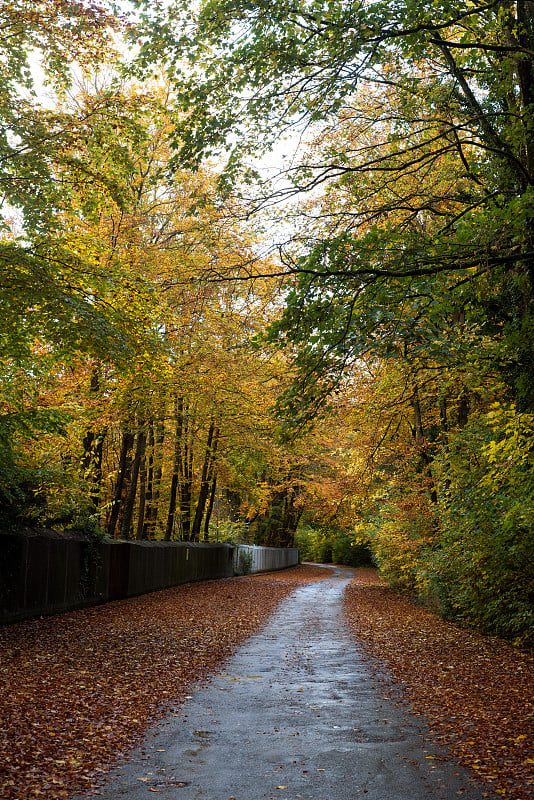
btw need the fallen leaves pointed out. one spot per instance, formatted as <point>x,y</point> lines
<point>77,690</point>
<point>475,691</point>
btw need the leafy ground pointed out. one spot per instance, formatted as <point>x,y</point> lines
<point>476,692</point>
<point>77,689</point>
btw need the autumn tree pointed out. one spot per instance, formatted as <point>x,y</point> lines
<point>41,295</point>
<point>156,420</point>
<point>460,81</point>
<point>420,258</point>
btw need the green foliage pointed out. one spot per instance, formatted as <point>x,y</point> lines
<point>34,138</point>
<point>420,256</point>
<point>402,533</point>
<point>351,551</point>
<point>471,555</point>
<point>415,266</point>
<point>21,486</point>
<point>483,568</point>
<point>245,562</point>
<point>421,216</point>
<point>315,544</point>
<point>229,532</point>
<point>329,545</point>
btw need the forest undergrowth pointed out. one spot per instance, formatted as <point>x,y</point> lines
<point>475,691</point>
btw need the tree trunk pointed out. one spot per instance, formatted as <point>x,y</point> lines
<point>139,533</point>
<point>276,527</point>
<point>233,499</point>
<point>122,474</point>
<point>186,487</point>
<point>444,422</point>
<point>93,447</point>
<point>207,468</point>
<point>419,437</point>
<point>132,490</point>
<point>157,464</point>
<point>463,408</point>
<point>525,72</point>
<point>149,488</point>
<point>153,465</point>
<point>210,508</point>
<point>176,468</point>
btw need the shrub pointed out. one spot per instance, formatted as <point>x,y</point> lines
<point>401,534</point>
<point>483,571</point>
<point>351,551</point>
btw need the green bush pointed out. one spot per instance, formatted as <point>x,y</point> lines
<point>402,532</point>
<point>483,569</point>
<point>229,532</point>
<point>315,544</point>
<point>351,553</point>
<point>306,541</point>
<point>332,546</point>
<point>471,555</point>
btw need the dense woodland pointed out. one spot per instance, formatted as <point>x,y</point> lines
<point>337,350</point>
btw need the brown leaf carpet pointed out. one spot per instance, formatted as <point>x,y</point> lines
<point>78,689</point>
<point>477,692</point>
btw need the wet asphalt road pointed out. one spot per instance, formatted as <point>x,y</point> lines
<point>295,714</point>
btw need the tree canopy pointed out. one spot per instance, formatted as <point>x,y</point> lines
<point>171,370</point>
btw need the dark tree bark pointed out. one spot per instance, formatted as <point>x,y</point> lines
<point>153,467</point>
<point>209,510</point>
<point>148,468</point>
<point>186,486</point>
<point>155,471</point>
<point>139,532</point>
<point>127,518</point>
<point>420,441</point>
<point>176,468</point>
<point>207,468</point>
<point>93,448</point>
<point>418,431</point>
<point>122,480</point>
<point>277,526</point>
<point>233,499</point>
<point>93,445</point>
<point>463,408</point>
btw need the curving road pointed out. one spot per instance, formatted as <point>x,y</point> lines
<point>295,714</point>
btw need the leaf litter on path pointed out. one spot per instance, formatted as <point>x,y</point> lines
<point>78,689</point>
<point>476,691</point>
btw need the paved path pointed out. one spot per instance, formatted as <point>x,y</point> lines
<point>295,714</point>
